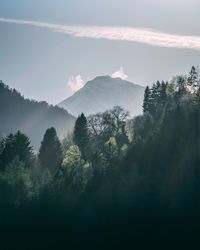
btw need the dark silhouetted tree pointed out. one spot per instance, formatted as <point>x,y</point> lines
<point>80,136</point>
<point>163,94</point>
<point>50,154</point>
<point>146,100</point>
<point>193,77</point>
<point>16,145</point>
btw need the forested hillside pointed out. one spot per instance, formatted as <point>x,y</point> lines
<point>29,116</point>
<point>114,174</point>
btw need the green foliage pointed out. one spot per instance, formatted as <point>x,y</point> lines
<point>41,177</point>
<point>77,171</point>
<point>156,169</point>
<point>16,182</point>
<point>102,127</point>
<point>67,142</point>
<point>110,154</point>
<point>164,157</point>
<point>50,154</point>
<point>16,145</point>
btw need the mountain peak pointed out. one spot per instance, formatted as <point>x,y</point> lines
<point>106,77</point>
<point>104,92</point>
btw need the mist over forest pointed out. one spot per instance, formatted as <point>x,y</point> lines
<point>30,116</point>
<point>109,175</point>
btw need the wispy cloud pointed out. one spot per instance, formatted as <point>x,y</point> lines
<point>75,83</point>
<point>120,74</point>
<point>130,34</point>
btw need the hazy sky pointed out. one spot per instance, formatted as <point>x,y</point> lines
<point>140,40</point>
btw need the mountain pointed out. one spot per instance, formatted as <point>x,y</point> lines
<point>30,117</point>
<point>103,93</point>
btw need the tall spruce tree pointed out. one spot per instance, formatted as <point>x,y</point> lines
<point>193,77</point>
<point>163,94</point>
<point>50,154</point>
<point>80,136</point>
<point>147,94</point>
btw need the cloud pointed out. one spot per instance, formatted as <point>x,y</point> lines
<point>130,34</point>
<point>75,83</point>
<point>120,74</point>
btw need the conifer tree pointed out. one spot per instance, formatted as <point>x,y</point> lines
<point>16,145</point>
<point>146,100</point>
<point>153,99</point>
<point>80,136</point>
<point>193,77</point>
<point>50,154</point>
<point>163,94</point>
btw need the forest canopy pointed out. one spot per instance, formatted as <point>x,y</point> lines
<point>113,166</point>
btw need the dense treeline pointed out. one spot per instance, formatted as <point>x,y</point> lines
<point>96,146</point>
<point>113,169</point>
<point>30,116</point>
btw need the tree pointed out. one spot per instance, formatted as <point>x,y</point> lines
<point>154,96</point>
<point>193,77</point>
<point>163,94</point>
<point>181,82</point>
<point>16,182</point>
<point>110,154</point>
<point>80,136</point>
<point>108,123</point>
<point>119,117</point>
<point>146,103</point>
<point>95,124</point>
<point>197,97</point>
<point>77,171</point>
<point>67,142</point>
<point>16,145</point>
<point>50,154</point>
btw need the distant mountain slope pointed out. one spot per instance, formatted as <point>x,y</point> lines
<point>31,117</point>
<point>103,93</point>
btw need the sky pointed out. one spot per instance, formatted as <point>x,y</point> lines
<point>49,49</point>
